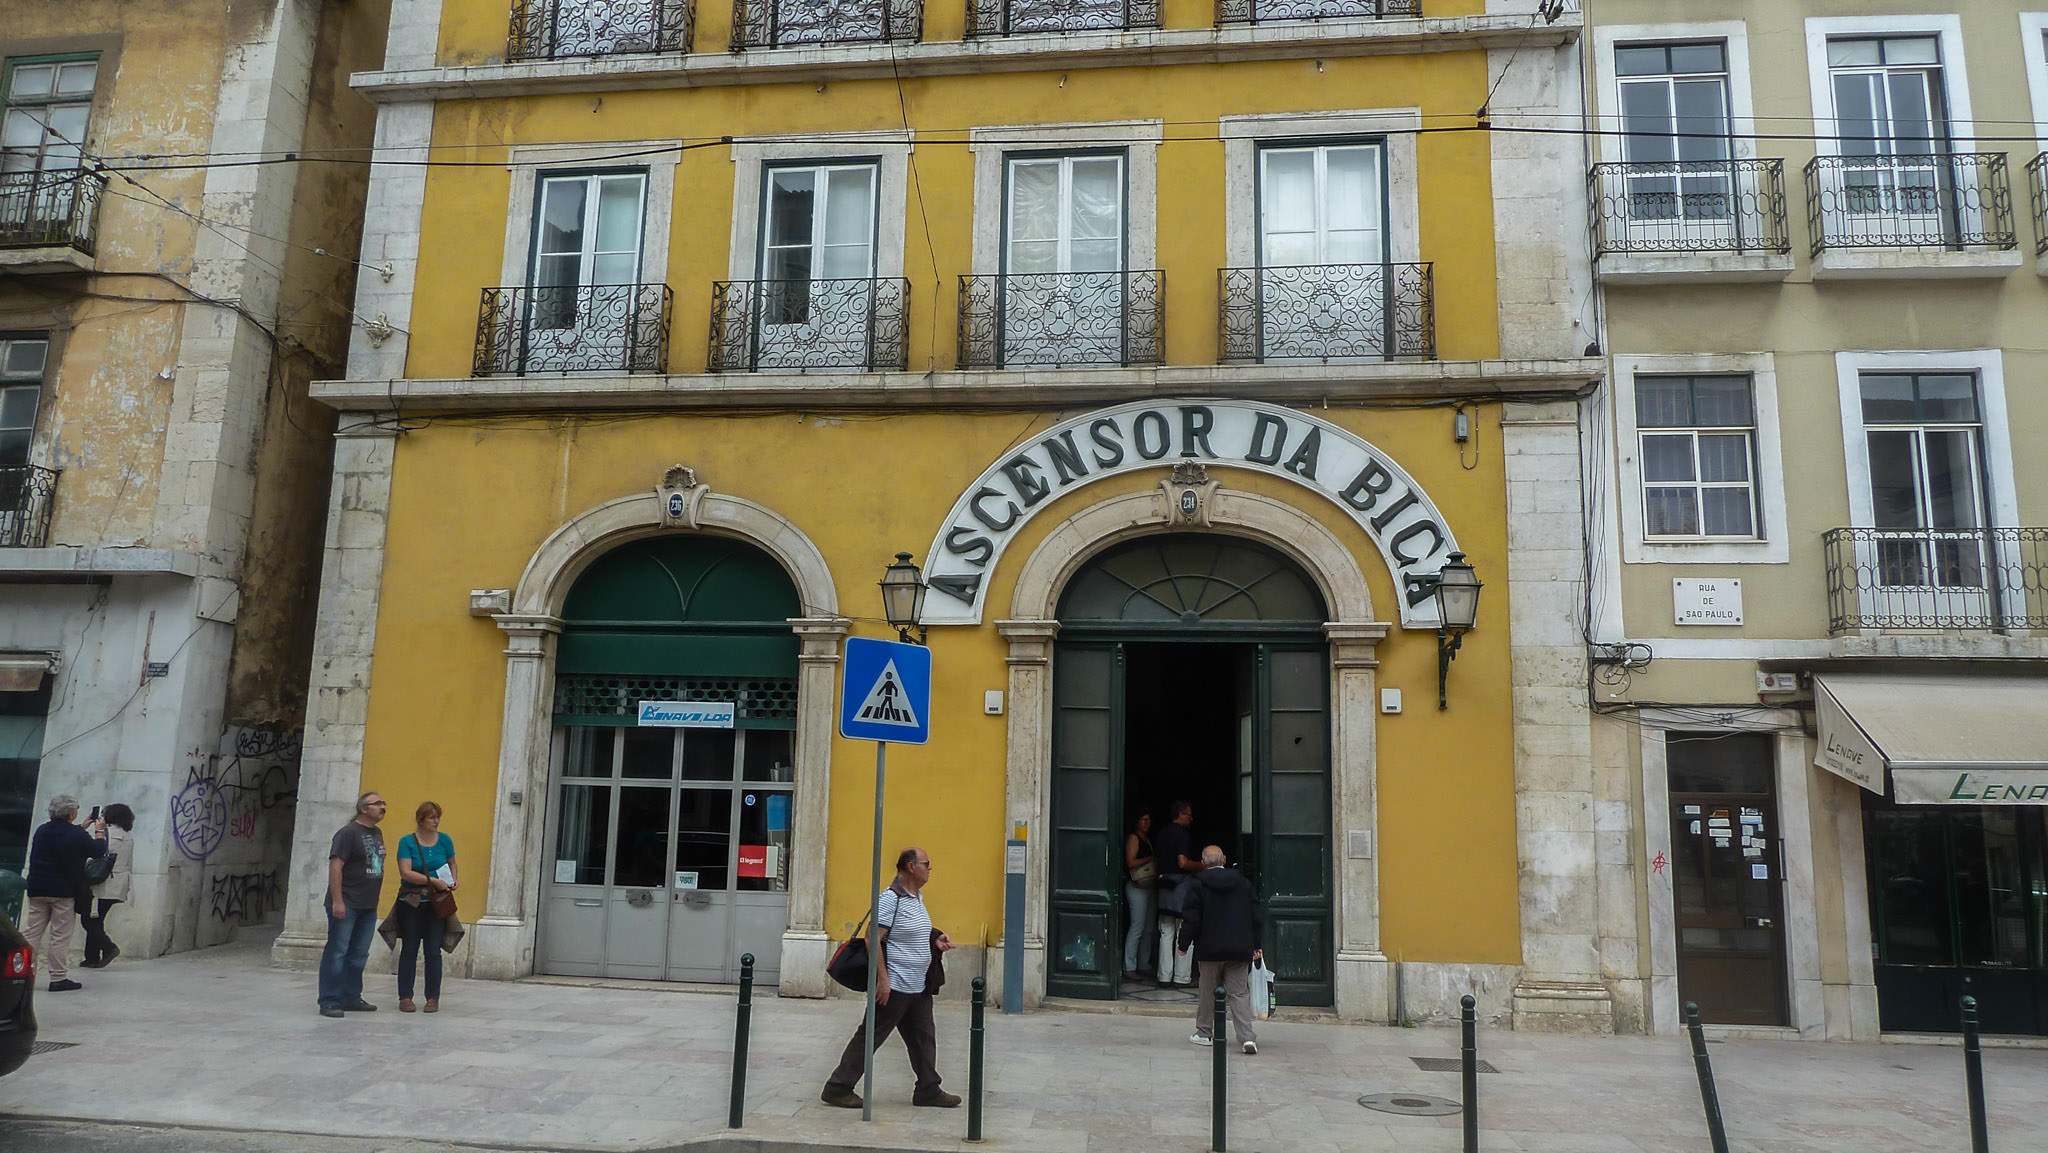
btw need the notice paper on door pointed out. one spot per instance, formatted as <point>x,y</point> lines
<point>1759,872</point>
<point>754,860</point>
<point>686,880</point>
<point>565,872</point>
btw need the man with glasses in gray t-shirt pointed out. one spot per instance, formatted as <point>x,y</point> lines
<point>910,949</point>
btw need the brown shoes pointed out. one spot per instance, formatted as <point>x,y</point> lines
<point>842,1098</point>
<point>405,1005</point>
<point>433,1004</point>
<point>937,1098</point>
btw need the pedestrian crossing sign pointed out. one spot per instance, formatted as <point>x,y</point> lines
<point>886,694</point>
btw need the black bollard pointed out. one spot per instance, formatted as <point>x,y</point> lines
<point>739,1041</point>
<point>1973,1074</point>
<point>1218,1077</point>
<point>1708,1098</point>
<point>1468,1009</point>
<point>974,1040</point>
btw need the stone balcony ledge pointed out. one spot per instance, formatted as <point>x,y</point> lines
<point>1021,53</point>
<point>1007,388</point>
<point>70,562</point>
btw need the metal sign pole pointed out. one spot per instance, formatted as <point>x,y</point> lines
<point>875,959</point>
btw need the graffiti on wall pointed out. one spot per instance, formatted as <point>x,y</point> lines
<point>224,796</point>
<point>244,898</point>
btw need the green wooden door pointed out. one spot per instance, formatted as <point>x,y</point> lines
<point>1292,821</point>
<point>1084,946</point>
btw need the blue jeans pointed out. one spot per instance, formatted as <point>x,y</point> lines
<point>1144,930</point>
<point>348,950</point>
<point>417,924</point>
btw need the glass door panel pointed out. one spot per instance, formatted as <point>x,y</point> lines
<point>636,907</point>
<point>1085,947</point>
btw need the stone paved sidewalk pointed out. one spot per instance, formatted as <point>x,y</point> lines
<point>218,1038</point>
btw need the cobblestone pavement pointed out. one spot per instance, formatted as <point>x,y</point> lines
<point>217,1038</point>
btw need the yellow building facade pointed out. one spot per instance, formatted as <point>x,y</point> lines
<point>1182,348</point>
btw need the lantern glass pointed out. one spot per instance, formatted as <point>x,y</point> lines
<point>902,592</point>
<point>1457,594</point>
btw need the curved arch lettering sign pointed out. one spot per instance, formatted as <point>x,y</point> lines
<point>1360,479</point>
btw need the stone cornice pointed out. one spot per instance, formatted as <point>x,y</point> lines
<point>1035,388</point>
<point>819,64</point>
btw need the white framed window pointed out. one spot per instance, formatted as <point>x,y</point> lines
<point>23,362</point>
<point>1929,458</point>
<point>1322,204</point>
<point>1632,61</point>
<point>995,146</point>
<point>652,161</point>
<point>2034,47</point>
<point>817,223</point>
<point>1253,229</point>
<point>885,154</point>
<point>1677,130</point>
<point>1874,80</point>
<point>587,234</point>
<point>1064,214</point>
<point>1699,459</point>
<point>1697,440</point>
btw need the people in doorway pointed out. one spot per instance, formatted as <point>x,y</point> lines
<point>426,866</point>
<point>355,877</point>
<point>1222,926</point>
<point>56,885</point>
<point>100,949</point>
<point>1175,848</point>
<point>904,985</point>
<point>1141,887</point>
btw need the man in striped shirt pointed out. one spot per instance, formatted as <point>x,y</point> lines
<point>910,949</point>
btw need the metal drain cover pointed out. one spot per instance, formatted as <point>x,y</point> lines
<point>51,1046</point>
<point>1451,1065</point>
<point>1410,1104</point>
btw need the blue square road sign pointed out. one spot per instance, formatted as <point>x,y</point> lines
<point>885,693</point>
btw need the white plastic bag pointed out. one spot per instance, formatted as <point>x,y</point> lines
<point>1262,990</point>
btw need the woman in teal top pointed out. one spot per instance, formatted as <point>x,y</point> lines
<point>426,865</point>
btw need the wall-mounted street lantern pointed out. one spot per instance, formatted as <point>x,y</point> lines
<point>903,597</point>
<point>1456,589</point>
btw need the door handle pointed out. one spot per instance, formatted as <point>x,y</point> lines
<point>583,904</point>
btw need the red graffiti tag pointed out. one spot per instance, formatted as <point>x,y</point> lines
<point>244,824</point>
<point>1658,862</point>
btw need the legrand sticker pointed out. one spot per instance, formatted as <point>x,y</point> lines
<point>686,714</point>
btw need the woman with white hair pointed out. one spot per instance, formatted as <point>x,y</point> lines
<point>57,885</point>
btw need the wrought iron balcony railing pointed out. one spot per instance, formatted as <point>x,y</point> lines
<point>802,325</point>
<point>1973,578</point>
<point>1022,17</point>
<point>554,29</point>
<point>1950,202</point>
<point>1062,319</point>
<point>781,23</point>
<point>26,493</point>
<point>50,209</point>
<point>1326,313</point>
<point>1267,11</point>
<point>2037,188</point>
<point>1692,206</point>
<point>521,331</point>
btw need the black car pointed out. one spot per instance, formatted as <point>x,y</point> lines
<point>17,997</point>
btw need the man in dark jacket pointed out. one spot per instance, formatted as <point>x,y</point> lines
<point>56,885</point>
<point>1223,923</point>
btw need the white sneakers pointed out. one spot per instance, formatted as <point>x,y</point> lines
<point>1251,1048</point>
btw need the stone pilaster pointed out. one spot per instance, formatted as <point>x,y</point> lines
<point>338,698</point>
<point>502,940</point>
<point>1365,984</point>
<point>1563,985</point>
<point>806,942</point>
<point>1025,797</point>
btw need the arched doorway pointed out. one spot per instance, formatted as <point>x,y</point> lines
<point>1191,667</point>
<point>671,792</point>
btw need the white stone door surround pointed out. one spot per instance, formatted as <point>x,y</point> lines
<point>503,937</point>
<point>1364,979</point>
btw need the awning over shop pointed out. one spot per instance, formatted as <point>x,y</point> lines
<point>24,672</point>
<point>1951,740</point>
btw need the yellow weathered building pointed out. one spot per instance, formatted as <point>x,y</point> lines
<point>1182,347</point>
